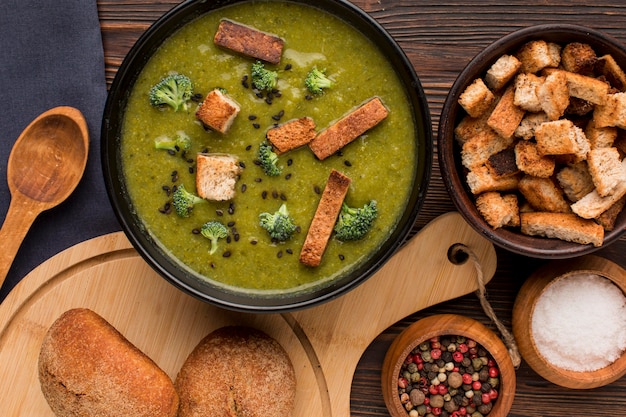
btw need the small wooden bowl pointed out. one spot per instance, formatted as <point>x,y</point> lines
<point>449,152</point>
<point>523,311</point>
<point>441,325</point>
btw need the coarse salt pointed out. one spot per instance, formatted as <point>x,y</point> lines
<point>579,322</point>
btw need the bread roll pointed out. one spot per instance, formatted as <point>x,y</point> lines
<point>237,371</point>
<point>87,368</point>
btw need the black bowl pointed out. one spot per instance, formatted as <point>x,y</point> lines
<point>449,151</point>
<point>127,75</point>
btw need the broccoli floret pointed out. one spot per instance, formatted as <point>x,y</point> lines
<point>182,141</point>
<point>268,159</point>
<point>354,223</point>
<point>184,201</point>
<point>214,231</point>
<point>279,225</point>
<point>262,78</point>
<point>174,90</point>
<point>316,80</point>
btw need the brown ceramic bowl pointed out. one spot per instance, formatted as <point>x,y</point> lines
<point>449,151</point>
<point>523,311</point>
<point>442,325</point>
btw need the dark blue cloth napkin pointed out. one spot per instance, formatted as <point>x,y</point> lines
<point>51,55</point>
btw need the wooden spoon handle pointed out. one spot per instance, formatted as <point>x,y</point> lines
<point>19,218</point>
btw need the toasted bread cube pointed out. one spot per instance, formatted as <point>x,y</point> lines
<point>593,204</point>
<point>563,226</point>
<point>502,164</point>
<point>291,134</point>
<point>476,98</point>
<point>249,41</point>
<point>612,113</point>
<point>538,54</point>
<point>600,137</point>
<point>608,218</point>
<point>502,71</point>
<point>561,137</point>
<point>543,194</point>
<point>575,181</point>
<point>531,162</point>
<point>553,94</point>
<point>526,86</point>
<point>587,88</point>
<point>348,128</point>
<point>477,150</point>
<point>481,180</point>
<point>578,57</point>
<point>218,111</point>
<point>578,107</point>
<point>469,127</point>
<point>528,125</point>
<point>324,219</point>
<point>613,73</point>
<point>606,170</point>
<point>506,116</point>
<point>498,210</point>
<point>216,176</point>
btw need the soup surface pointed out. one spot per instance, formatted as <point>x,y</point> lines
<point>381,163</point>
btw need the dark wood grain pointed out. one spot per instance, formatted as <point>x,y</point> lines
<point>440,38</point>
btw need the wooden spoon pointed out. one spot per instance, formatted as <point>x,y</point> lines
<point>44,167</point>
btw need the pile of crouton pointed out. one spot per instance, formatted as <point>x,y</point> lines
<point>544,139</point>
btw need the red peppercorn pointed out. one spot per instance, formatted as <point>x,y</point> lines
<point>463,348</point>
<point>485,398</point>
<point>467,378</point>
<point>457,356</point>
<point>435,345</point>
<point>494,372</point>
<point>436,411</point>
<point>442,389</point>
<point>455,414</point>
<point>476,385</point>
<point>417,358</point>
<point>427,402</point>
<point>408,359</point>
<point>403,382</point>
<point>491,363</point>
<point>433,390</point>
<point>435,354</point>
<point>455,369</point>
<point>493,394</point>
<point>462,411</point>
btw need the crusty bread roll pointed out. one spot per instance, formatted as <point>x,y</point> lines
<point>88,368</point>
<point>237,371</point>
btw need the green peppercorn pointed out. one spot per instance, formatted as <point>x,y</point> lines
<point>485,409</point>
<point>494,382</point>
<point>412,367</point>
<point>477,364</point>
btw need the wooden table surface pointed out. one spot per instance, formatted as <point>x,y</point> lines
<point>440,37</point>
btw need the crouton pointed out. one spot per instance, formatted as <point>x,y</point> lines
<point>498,210</point>
<point>506,116</point>
<point>536,55</point>
<point>218,111</point>
<point>608,219</point>
<point>216,176</point>
<point>469,127</point>
<point>531,162</point>
<point>476,98</point>
<point>324,219</point>
<point>553,94</point>
<point>526,97</point>
<point>481,180</point>
<point>348,128</point>
<point>528,125</point>
<point>612,72</point>
<point>249,41</point>
<point>502,164</point>
<point>502,71</point>
<point>587,88</point>
<point>292,134</point>
<point>575,181</point>
<point>612,113</point>
<point>561,137</point>
<point>578,57</point>
<point>477,150</point>
<point>606,170</point>
<point>543,194</point>
<point>563,226</point>
<point>593,204</point>
<point>600,137</point>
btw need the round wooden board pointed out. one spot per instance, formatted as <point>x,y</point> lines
<point>324,343</point>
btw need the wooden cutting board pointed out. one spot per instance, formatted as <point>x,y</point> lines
<point>324,342</point>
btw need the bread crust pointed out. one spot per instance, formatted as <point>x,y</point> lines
<point>237,371</point>
<point>88,368</point>
<point>564,226</point>
<point>292,134</point>
<point>249,41</point>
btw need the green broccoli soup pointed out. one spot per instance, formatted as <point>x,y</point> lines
<point>381,163</point>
